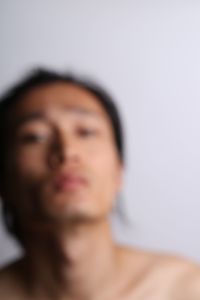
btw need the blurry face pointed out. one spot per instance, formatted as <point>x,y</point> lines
<point>63,164</point>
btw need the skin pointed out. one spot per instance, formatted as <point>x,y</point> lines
<point>61,131</point>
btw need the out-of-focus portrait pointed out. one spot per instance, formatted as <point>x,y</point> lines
<point>99,150</point>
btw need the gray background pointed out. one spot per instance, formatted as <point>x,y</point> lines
<point>147,53</point>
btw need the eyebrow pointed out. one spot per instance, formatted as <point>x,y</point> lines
<point>41,115</point>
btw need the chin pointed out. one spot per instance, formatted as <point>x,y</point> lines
<point>69,212</point>
<point>63,208</point>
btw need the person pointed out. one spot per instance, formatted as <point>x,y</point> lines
<point>61,169</point>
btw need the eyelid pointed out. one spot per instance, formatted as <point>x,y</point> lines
<point>88,127</point>
<point>31,128</point>
<point>31,137</point>
<point>30,134</point>
<point>85,129</point>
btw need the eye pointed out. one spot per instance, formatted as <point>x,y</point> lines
<point>31,138</point>
<point>87,132</point>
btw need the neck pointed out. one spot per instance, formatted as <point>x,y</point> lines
<point>78,262</point>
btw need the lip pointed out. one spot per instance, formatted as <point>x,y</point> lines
<point>69,182</point>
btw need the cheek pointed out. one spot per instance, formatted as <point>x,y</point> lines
<point>26,175</point>
<point>107,170</point>
<point>29,162</point>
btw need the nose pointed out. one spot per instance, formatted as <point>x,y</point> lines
<point>64,149</point>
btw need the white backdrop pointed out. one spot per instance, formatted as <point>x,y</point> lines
<point>147,53</point>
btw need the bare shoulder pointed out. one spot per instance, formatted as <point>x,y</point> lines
<point>182,276</point>
<point>177,278</point>
<point>165,263</point>
<point>187,285</point>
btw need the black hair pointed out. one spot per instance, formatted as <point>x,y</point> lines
<point>40,77</point>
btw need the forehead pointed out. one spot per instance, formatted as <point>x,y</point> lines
<point>58,96</point>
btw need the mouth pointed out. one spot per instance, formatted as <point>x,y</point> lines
<point>69,182</point>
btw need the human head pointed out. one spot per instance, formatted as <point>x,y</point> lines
<point>39,78</point>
